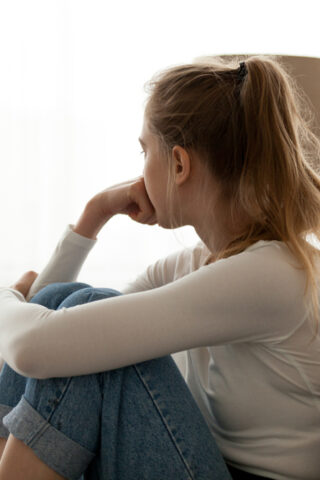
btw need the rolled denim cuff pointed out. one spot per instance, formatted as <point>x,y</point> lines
<point>55,449</point>
<point>4,410</point>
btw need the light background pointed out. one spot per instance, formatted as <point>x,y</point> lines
<point>71,105</point>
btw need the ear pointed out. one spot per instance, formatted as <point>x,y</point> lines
<point>182,164</point>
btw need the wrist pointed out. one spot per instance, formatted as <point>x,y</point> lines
<point>90,222</point>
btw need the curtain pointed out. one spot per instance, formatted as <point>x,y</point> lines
<point>71,107</point>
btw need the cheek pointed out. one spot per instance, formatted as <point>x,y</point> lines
<point>150,172</point>
<point>155,178</point>
<point>150,184</point>
<point>146,176</point>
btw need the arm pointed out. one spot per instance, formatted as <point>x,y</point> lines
<point>65,262</point>
<point>226,302</point>
<point>129,198</point>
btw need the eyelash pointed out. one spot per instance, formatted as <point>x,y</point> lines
<point>142,151</point>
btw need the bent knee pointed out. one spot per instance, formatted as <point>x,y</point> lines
<point>89,294</point>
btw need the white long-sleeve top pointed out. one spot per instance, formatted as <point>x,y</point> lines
<point>242,323</point>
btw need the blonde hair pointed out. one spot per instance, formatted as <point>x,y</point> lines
<point>255,135</point>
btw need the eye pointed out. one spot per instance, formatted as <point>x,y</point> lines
<point>142,152</point>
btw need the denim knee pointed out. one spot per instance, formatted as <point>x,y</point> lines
<point>89,294</point>
<point>58,295</point>
<point>54,294</point>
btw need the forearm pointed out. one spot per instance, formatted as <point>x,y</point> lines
<point>72,250</point>
<point>91,221</point>
<point>65,262</point>
<point>98,336</point>
<point>129,198</point>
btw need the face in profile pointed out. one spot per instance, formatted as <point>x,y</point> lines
<point>155,173</point>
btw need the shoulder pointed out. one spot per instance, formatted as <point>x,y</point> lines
<point>181,263</point>
<point>170,268</point>
<point>267,274</point>
<point>269,263</point>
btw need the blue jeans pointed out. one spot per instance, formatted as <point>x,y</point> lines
<point>137,422</point>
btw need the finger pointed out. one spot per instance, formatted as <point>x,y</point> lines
<point>152,220</point>
<point>146,209</point>
<point>137,217</point>
<point>25,281</point>
<point>144,213</point>
<point>28,277</point>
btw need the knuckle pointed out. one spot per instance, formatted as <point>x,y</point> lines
<point>31,273</point>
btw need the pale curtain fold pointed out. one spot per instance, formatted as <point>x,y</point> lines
<point>71,107</point>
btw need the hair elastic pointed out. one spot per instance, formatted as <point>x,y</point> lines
<point>242,71</point>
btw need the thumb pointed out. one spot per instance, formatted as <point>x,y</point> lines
<point>25,281</point>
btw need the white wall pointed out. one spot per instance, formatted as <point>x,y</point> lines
<point>71,105</point>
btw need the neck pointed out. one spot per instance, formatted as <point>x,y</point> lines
<point>216,229</point>
<point>209,211</point>
<point>214,239</point>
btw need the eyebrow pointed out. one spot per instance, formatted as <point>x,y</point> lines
<point>142,142</point>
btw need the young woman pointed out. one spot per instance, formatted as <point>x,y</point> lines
<point>90,386</point>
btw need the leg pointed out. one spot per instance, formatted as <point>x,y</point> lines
<point>12,385</point>
<point>140,421</point>
<point>3,442</point>
<point>24,468</point>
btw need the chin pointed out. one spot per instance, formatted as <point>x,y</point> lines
<point>169,224</point>
<point>163,224</point>
<point>167,227</point>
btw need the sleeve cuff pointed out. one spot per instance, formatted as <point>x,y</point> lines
<point>15,292</point>
<point>77,239</point>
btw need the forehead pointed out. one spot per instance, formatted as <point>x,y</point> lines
<point>145,136</point>
<point>144,128</point>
